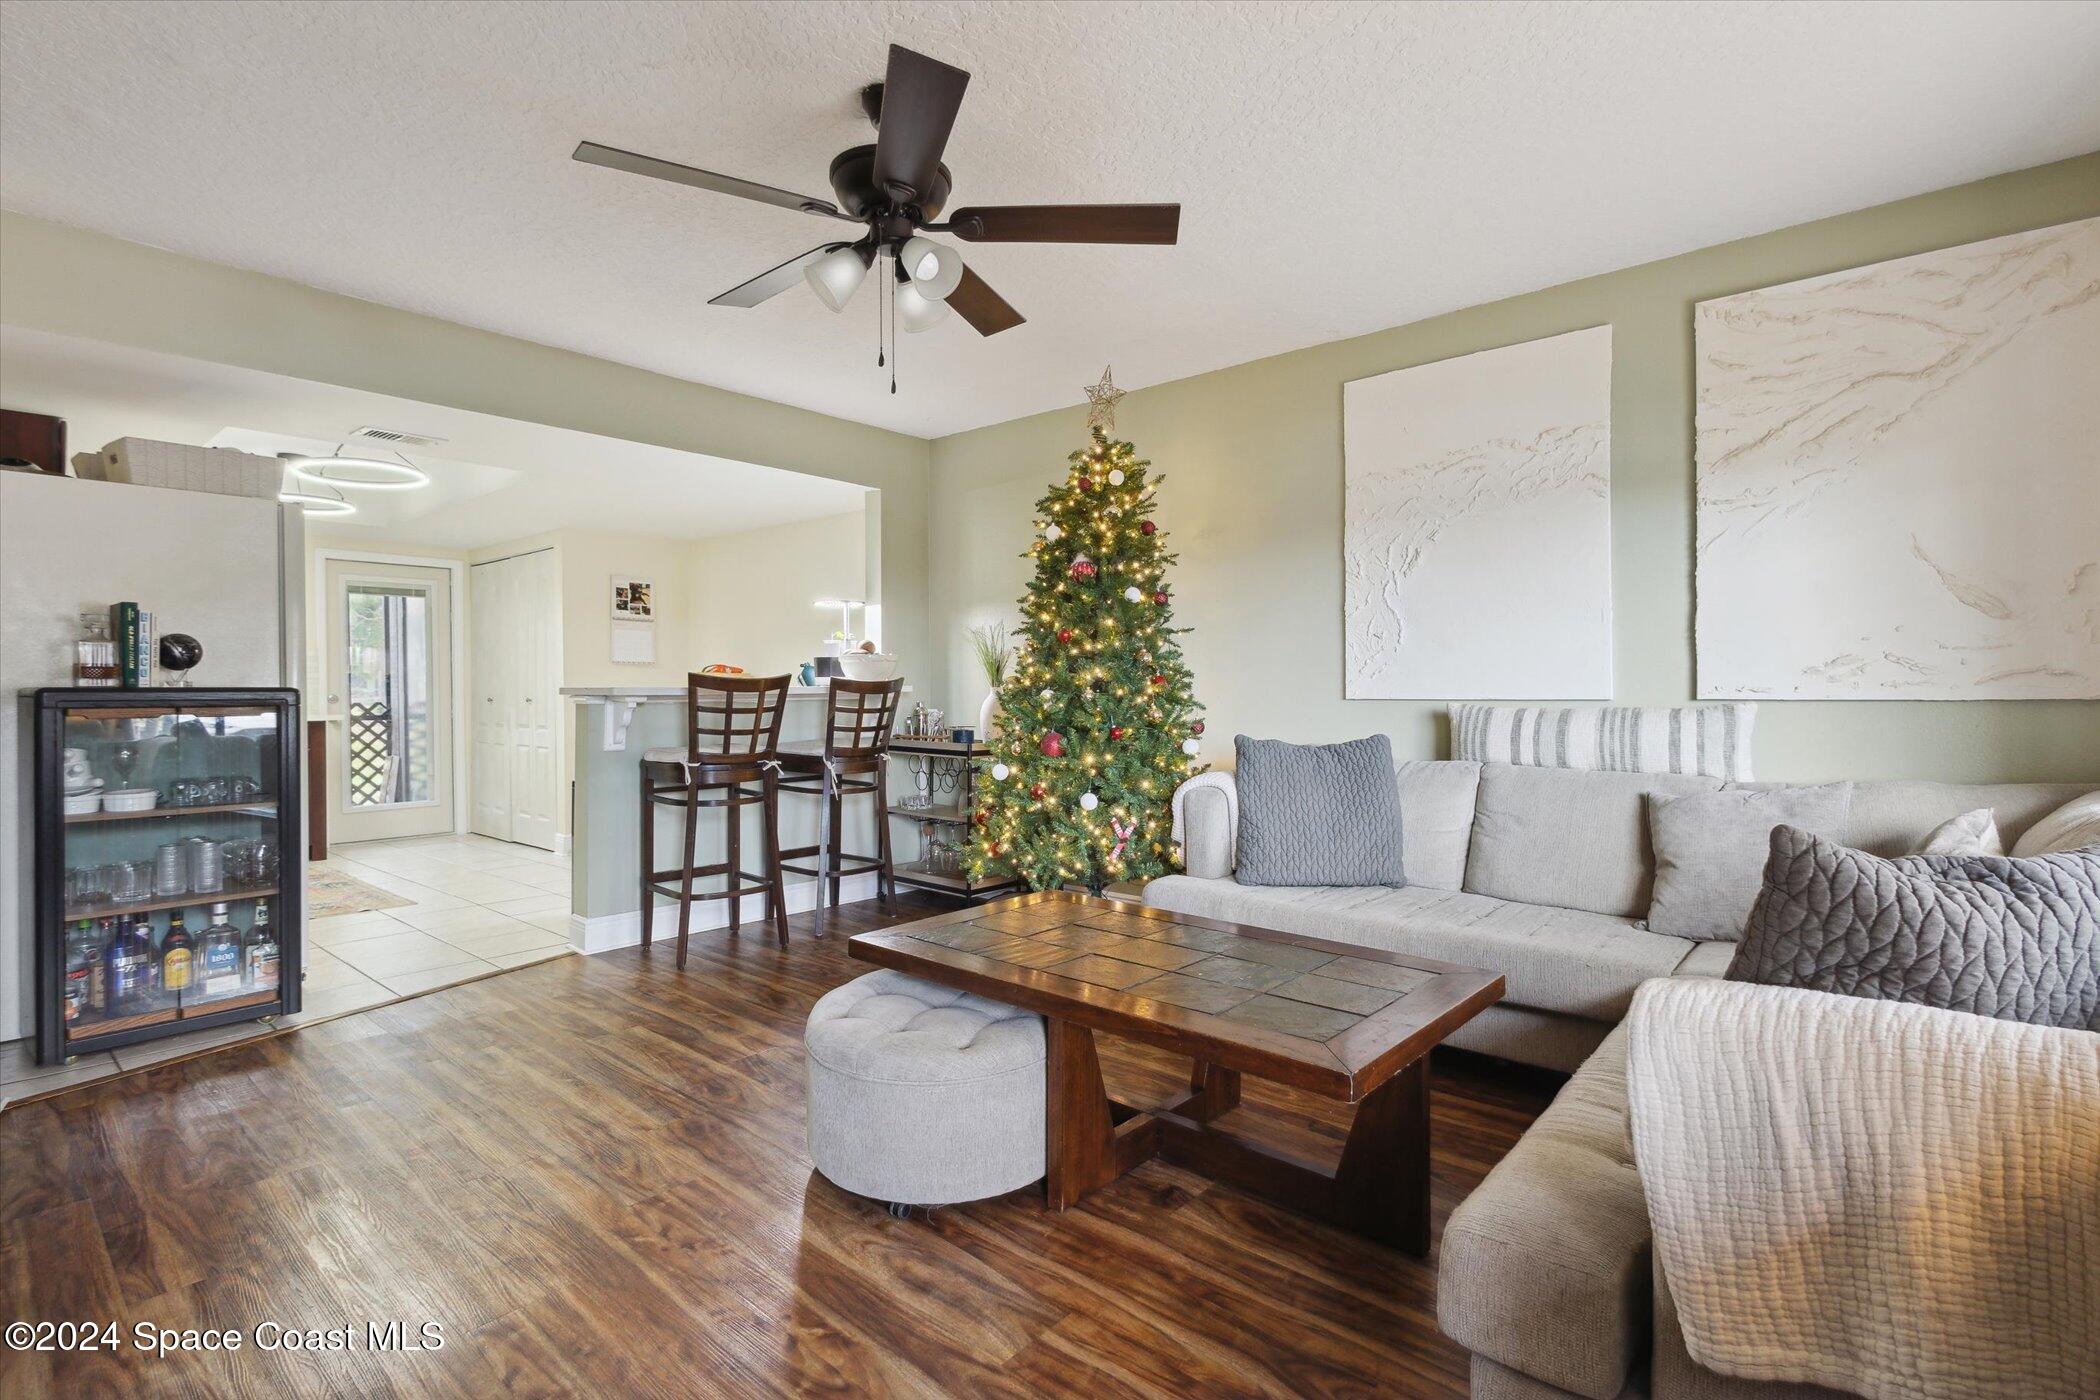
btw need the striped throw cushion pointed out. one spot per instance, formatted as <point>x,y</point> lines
<point>1713,740</point>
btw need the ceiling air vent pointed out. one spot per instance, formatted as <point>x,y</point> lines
<point>394,439</point>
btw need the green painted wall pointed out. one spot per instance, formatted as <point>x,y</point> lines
<point>75,282</point>
<point>1253,499</point>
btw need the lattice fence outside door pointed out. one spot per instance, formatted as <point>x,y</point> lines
<point>371,755</point>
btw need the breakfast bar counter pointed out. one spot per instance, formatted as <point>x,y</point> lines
<point>614,726</point>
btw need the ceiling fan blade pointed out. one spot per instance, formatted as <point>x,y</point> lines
<point>591,153</point>
<point>920,97</point>
<point>985,310</point>
<point>1067,223</point>
<point>774,280</point>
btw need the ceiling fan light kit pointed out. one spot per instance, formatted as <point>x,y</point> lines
<point>917,313</point>
<point>934,270</point>
<point>897,188</point>
<point>837,275</point>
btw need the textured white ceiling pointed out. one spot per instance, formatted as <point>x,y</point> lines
<point>1342,167</point>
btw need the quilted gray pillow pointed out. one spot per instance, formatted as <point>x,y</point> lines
<point>2013,938</point>
<point>1318,814</point>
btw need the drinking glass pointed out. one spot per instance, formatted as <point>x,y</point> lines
<point>134,883</point>
<point>170,870</point>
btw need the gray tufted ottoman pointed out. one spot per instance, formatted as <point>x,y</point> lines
<point>923,1095</point>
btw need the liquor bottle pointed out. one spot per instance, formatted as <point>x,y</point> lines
<point>82,953</point>
<point>126,965</point>
<point>259,952</point>
<point>178,953</point>
<point>219,955</point>
<point>106,929</point>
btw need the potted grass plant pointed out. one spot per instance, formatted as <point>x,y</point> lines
<point>994,655</point>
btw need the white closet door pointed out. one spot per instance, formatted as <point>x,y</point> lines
<point>535,736</point>
<point>491,591</point>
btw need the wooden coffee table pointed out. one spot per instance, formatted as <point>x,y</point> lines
<point>1351,1023</point>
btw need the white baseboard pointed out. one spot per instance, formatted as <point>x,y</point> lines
<point>561,843</point>
<point>610,931</point>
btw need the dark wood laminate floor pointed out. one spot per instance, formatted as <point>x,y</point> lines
<point>592,1174</point>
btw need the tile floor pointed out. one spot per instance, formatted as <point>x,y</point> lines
<point>476,906</point>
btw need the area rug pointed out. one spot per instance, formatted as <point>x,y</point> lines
<point>330,892</point>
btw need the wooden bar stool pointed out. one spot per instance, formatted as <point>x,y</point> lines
<point>852,757</point>
<point>732,739</point>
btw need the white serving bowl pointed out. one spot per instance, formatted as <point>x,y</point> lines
<point>131,800</point>
<point>868,665</point>
<point>83,804</point>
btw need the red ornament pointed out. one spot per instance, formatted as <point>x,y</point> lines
<point>1038,791</point>
<point>1148,528</point>
<point>1084,568</point>
<point>1159,680</point>
<point>1053,745</point>
<point>1064,634</point>
<point>1160,597</point>
<point>1115,731</point>
<point>1197,727</point>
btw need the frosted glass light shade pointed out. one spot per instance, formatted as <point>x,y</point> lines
<point>837,275</point>
<point>933,269</point>
<point>916,313</point>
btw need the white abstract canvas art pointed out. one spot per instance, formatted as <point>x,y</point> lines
<point>1899,478</point>
<point>1477,525</point>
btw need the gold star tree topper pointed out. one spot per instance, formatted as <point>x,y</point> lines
<point>1101,402</point>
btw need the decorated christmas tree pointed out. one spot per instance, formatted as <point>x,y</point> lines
<point>1097,723</point>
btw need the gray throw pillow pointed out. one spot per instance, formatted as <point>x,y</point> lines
<point>2016,938</point>
<point>1710,851</point>
<point>1318,814</point>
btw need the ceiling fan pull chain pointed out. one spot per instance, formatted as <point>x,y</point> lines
<point>893,335</point>
<point>881,340</point>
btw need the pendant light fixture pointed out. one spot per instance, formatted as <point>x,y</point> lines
<point>313,500</point>
<point>357,473</point>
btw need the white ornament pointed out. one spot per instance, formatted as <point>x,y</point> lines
<point>1132,594</point>
<point>1000,772</point>
<point>1115,478</point>
<point>1049,694</point>
<point>1089,801</point>
<point>1052,533</point>
<point>1191,747</point>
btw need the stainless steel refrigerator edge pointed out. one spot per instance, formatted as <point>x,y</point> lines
<point>229,570</point>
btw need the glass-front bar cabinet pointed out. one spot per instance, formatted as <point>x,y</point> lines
<point>168,873</point>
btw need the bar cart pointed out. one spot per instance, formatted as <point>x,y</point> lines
<point>950,766</point>
<point>168,895</point>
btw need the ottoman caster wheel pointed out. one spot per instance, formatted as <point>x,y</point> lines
<point>899,1211</point>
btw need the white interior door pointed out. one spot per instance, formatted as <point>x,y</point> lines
<point>517,716</point>
<point>389,669</point>
<point>536,702</point>
<point>488,721</point>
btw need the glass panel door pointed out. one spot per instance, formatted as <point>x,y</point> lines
<point>389,704</point>
<point>388,701</point>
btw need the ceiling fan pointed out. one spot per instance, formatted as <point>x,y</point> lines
<point>897,189</point>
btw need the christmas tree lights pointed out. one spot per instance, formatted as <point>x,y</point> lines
<point>1097,720</point>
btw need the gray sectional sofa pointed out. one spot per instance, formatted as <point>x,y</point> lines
<point>1542,875</point>
<point>1546,1272</point>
